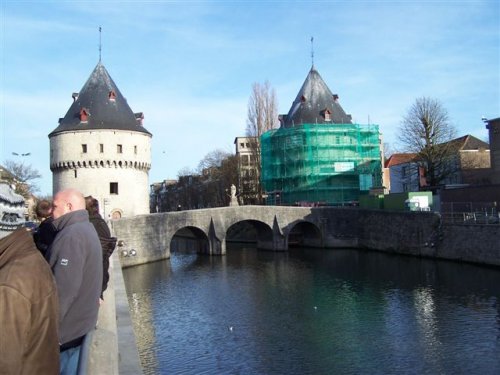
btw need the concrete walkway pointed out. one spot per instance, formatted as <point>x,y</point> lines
<point>113,349</point>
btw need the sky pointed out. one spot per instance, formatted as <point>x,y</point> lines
<point>189,66</point>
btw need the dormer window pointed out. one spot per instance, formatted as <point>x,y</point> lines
<point>112,95</point>
<point>327,115</point>
<point>303,99</point>
<point>335,98</point>
<point>84,115</point>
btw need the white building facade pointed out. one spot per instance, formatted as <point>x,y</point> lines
<point>101,148</point>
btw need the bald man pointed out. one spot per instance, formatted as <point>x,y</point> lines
<point>76,261</point>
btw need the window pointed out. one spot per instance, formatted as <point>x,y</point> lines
<point>135,150</point>
<point>101,148</point>
<point>326,114</point>
<point>119,149</point>
<point>244,160</point>
<point>76,174</point>
<point>84,115</point>
<point>84,148</point>
<point>113,188</point>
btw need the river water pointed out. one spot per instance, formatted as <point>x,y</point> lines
<point>314,311</point>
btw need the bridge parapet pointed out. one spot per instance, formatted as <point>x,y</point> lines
<point>149,237</point>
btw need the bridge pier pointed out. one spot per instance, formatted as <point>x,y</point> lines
<point>216,246</point>
<point>275,241</point>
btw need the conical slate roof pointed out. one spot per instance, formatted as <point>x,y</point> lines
<point>99,105</point>
<point>315,104</point>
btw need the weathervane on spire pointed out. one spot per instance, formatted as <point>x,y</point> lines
<point>312,51</point>
<point>100,44</point>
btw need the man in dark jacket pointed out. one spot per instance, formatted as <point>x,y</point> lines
<point>76,261</point>
<point>29,343</point>
<point>108,243</point>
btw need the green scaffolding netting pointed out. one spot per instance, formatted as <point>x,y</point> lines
<point>320,163</point>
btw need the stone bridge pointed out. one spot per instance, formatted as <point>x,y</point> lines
<point>149,237</point>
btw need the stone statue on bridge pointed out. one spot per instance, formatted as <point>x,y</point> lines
<point>234,199</point>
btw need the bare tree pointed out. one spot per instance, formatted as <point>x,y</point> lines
<point>206,187</point>
<point>427,132</point>
<point>22,176</point>
<point>185,171</point>
<point>219,171</point>
<point>213,159</point>
<point>262,117</point>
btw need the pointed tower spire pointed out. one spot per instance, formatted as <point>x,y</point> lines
<point>315,104</point>
<point>99,105</point>
<point>312,52</point>
<point>100,44</point>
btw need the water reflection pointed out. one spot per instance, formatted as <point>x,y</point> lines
<point>314,312</point>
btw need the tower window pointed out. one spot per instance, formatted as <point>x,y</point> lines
<point>76,173</point>
<point>113,188</point>
<point>84,148</point>
<point>101,148</point>
<point>135,150</point>
<point>84,114</point>
<point>119,149</point>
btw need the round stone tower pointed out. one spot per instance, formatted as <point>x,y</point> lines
<point>101,148</point>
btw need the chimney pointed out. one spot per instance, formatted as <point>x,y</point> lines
<point>139,117</point>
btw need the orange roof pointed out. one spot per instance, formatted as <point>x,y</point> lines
<point>396,159</point>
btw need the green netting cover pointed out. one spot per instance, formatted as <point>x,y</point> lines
<point>320,163</point>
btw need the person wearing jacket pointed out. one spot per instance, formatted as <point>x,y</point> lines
<point>108,243</point>
<point>29,342</point>
<point>45,233</point>
<point>76,262</point>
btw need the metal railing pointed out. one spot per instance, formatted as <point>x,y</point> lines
<point>479,213</point>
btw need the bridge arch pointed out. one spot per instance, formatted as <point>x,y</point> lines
<point>250,230</point>
<point>305,233</point>
<point>189,239</point>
